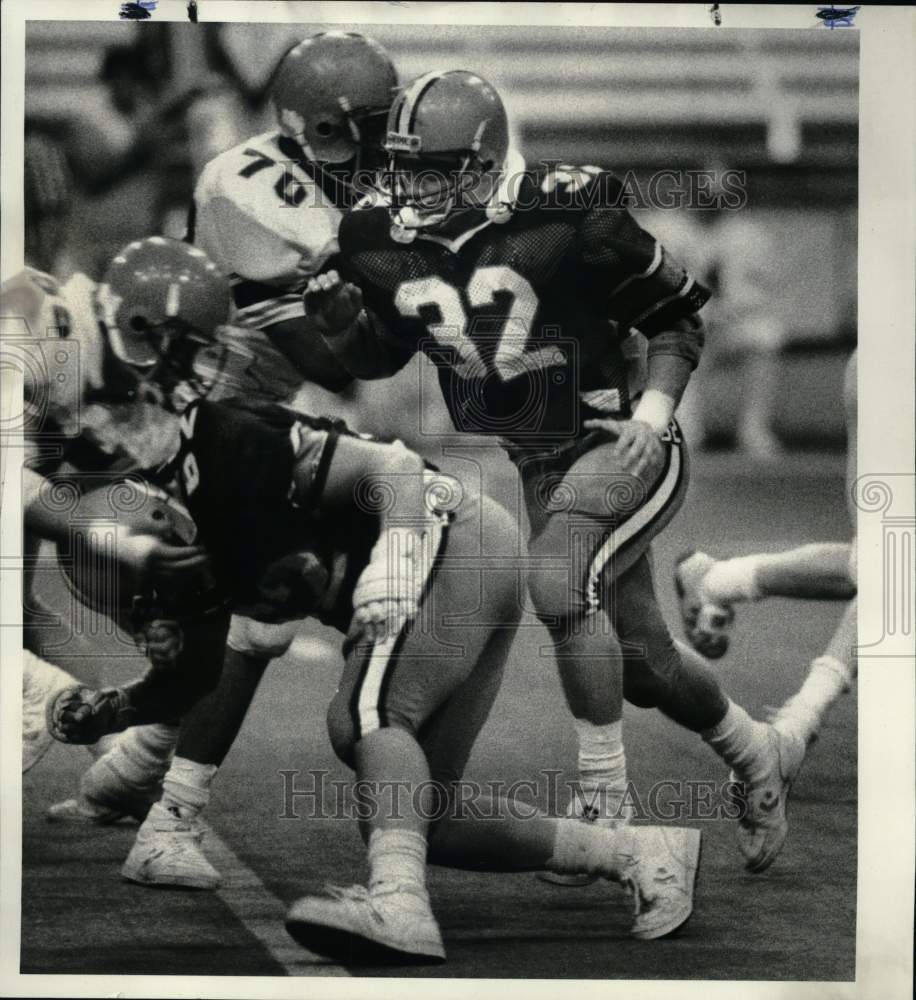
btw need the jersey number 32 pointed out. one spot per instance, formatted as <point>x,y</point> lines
<point>453,329</point>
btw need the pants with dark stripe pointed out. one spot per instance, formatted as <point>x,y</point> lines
<point>592,529</point>
<point>437,679</point>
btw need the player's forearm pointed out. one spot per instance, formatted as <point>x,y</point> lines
<point>308,354</point>
<point>361,350</point>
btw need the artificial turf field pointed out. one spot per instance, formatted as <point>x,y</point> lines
<point>794,922</point>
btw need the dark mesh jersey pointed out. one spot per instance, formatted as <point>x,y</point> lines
<point>525,317</point>
<point>278,556</point>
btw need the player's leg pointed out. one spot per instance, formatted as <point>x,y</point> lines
<point>831,675</point>
<point>389,691</point>
<point>593,515</point>
<point>167,850</point>
<point>480,831</point>
<point>588,656</point>
<point>709,588</point>
<point>682,685</point>
<point>422,728</point>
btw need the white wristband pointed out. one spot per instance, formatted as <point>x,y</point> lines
<point>656,409</point>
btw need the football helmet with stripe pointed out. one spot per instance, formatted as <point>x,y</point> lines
<point>331,94</point>
<point>161,302</point>
<point>447,144</point>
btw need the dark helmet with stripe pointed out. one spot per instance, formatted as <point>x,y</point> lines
<point>447,143</point>
<point>331,94</point>
<point>161,301</point>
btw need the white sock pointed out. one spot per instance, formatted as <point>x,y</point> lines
<point>584,848</point>
<point>186,788</point>
<point>602,763</point>
<point>142,754</point>
<point>827,679</point>
<point>731,580</point>
<point>741,742</point>
<point>397,857</point>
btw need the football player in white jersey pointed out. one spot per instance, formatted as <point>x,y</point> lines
<point>267,212</point>
<point>86,405</point>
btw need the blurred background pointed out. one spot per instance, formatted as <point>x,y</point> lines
<point>120,118</point>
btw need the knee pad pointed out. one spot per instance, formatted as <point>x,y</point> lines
<point>253,638</point>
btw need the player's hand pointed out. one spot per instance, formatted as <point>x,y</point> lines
<point>148,554</point>
<point>636,443</point>
<point>332,303</point>
<point>162,640</point>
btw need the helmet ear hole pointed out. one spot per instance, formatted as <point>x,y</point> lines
<point>138,323</point>
<point>324,129</point>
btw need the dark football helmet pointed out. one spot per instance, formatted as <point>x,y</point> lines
<point>447,143</point>
<point>331,95</point>
<point>161,302</point>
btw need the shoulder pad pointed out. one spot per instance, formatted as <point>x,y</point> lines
<point>578,189</point>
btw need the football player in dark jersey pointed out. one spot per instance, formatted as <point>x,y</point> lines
<point>521,287</point>
<point>302,517</point>
<point>266,213</point>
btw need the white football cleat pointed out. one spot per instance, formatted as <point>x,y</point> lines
<point>763,828</point>
<point>706,625</point>
<point>355,925</point>
<point>661,878</point>
<point>590,813</point>
<point>41,681</point>
<point>167,853</point>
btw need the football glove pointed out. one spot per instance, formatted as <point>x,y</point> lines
<point>81,715</point>
<point>387,593</point>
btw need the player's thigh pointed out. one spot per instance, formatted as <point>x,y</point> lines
<point>600,521</point>
<point>448,736</point>
<point>405,679</point>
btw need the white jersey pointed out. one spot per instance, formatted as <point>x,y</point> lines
<point>248,217</point>
<point>74,390</point>
<point>55,329</point>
